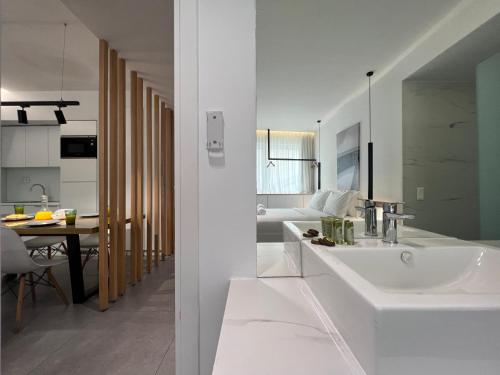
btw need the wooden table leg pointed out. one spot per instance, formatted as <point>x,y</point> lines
<point>75,268</point>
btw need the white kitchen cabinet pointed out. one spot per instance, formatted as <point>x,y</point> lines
<point>54,146</point>
<point>87,127</point>
<point>13,146</point>
<point>78,170</point>
<point>79,195</point>
<point>37,146</point>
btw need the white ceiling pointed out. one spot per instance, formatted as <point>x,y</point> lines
<point>458,63</point>
<point>32,35</point>
<point>141,31</point>
<point>311,54</point>
<point>32,40</point>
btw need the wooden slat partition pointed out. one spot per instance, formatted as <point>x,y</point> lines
<point>113,174</point>
<point>140,176</point>
<point>157,205</point>
<point>122,179</point>
<point>103,175</point>
<point>133,177</point>
<point>149,178</point>
<point>168,157</point>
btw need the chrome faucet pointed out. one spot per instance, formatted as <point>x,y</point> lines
<point>43,188</point>
<point>370,217</point>
<point>390,222</point>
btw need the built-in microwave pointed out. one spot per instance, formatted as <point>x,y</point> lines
<point>78,146</point>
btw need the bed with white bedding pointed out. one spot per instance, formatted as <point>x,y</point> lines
<point>270,225</point>
<point>323,203</point>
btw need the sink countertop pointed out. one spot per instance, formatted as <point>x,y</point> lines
<point>275,326</point>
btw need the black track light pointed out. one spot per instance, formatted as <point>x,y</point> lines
<point>22,117</point>
<point>60,116</point>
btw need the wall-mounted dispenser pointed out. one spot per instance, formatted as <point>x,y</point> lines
<point>215,134</point>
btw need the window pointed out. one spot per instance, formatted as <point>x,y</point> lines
<point>285,177</point>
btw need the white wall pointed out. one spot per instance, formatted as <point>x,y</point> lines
<point>387,102</point>
<point>227,232</point>
<point>215,226</point>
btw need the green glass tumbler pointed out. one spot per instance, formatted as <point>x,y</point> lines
<point>19,209</point>
<point>70,217</point>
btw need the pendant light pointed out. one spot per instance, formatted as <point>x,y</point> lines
<point>22,117</point>
<point>370,143</point>
<point>59,113</point>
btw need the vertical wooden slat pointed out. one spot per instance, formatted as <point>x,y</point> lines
<point>103,175</point>
<point>169,181</point>
<point>133,177</point>
<point>157,207</point>
<point>163,162</point>
<point>122,178</point>
<point>149,178</point>
<point>140,174</point>
<point>113,174</point>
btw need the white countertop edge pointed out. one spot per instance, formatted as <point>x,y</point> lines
<point>277,326</point>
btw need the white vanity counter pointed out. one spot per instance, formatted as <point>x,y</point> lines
<point>424,306</point>
<point>275,326</point>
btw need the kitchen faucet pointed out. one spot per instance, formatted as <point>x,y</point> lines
<point>43,188</point>
<point>390,222</point>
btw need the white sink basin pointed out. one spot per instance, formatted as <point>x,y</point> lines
<point>437,315</point>
<point>442,270</point>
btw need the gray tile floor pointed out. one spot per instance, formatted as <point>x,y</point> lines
<point>135,336</point>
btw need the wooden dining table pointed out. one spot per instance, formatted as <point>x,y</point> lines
<point>72,234</point>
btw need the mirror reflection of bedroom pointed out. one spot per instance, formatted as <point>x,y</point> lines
<point>306,171</point>
<point>315,173</point>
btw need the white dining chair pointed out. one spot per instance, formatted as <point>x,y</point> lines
<point>45,246</point>
<point>16,260</point>
<point>89,245</point>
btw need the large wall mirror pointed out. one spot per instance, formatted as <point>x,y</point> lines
<point>446,174</point>
<point>451,134</point>
<point>292,96</point>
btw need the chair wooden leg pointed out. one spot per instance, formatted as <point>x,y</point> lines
<point>49,252</point>
<point>20,301</point>
<point>32,286</point>
<point>56,285</point>
<point>65,248</point>
<point>87,257</point>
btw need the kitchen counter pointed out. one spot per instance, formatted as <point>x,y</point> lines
<point>275,326</point>
<point>36,203</point>
<point>29,207</point>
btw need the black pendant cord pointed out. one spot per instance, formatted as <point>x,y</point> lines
<point>62,65</point>
<point>370,143</point>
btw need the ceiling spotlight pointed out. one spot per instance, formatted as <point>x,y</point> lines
<point>22,117</point>
<point>60,116</point>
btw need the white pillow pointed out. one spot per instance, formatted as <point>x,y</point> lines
<point>337,203</point>
<point>318,200</point>
<point>351,210</point>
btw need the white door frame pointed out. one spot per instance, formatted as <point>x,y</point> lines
<point>187,317</point>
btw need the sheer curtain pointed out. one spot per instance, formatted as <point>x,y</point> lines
<point>285,177</point>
